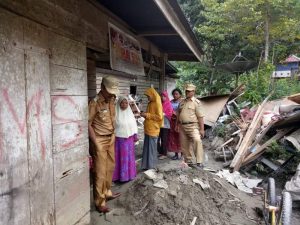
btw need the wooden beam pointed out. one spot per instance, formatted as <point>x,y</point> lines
<point>247,140</point>
<point>116,73</point>
<point>178,25</point>
<point>162,75</point>
<point>261,149</point>
<point>181,57</point>
<point>157,32</point>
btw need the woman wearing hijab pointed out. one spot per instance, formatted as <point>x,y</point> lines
<point>174,143</point>
<point>162,143</point>
<point>153,122</point>
<point>126,135</point>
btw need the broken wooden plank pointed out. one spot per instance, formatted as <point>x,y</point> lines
<point>261,136</point>
<point>295,98</point>
<point>260,149</point>
<point>227,142</point>
<point>241,136</point>
<point>250,134</point>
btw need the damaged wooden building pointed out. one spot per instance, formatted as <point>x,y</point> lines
<point>53,54</point>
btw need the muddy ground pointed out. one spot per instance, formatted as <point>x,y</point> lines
<point>143,204</point>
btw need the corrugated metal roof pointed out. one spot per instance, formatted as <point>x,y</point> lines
<point>292,58</point>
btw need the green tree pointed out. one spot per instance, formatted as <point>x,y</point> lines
<point>208,80</point>
<point>260,29</point>
<point>254,23</point>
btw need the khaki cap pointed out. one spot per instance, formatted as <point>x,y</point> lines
<point>190,87</point>
<point>111,85</point>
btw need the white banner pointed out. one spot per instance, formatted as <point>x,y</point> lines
<point>125,52</point>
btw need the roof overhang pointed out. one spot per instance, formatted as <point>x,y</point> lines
<point>162,22</point>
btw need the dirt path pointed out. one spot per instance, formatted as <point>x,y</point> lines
<point>143,204</point>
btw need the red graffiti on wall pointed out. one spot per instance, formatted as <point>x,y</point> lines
<point>36,102</point>
<point>21,123</point>
<point>55,100</point>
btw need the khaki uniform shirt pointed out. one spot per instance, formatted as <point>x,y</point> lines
<point>190,110</point>
<point>102,116</point>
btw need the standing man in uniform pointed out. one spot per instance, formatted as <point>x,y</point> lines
<point>102,133</point>
<point>191,123</point>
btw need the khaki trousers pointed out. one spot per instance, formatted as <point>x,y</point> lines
<point>104,164</point>
<point>191,143</point>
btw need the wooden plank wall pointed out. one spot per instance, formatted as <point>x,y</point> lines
<point>26,176</point>
<point>44,174</point>
<point>69,128</point>
<point>14,178</point>
<point>141,82</point>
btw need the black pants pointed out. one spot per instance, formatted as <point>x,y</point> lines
<point>162,141</point>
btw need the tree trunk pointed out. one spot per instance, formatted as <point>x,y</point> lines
<point>267,33</point>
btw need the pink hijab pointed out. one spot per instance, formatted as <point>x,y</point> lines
<point>167,106</point>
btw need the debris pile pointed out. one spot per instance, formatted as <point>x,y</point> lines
<point>185,196</point>
<point>247,132</point>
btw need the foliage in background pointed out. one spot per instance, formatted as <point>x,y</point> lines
<point>285,87</point>
<point>256,23</point>
<point>257,84</point>
<point>207,80</point>
<point>225,28</point>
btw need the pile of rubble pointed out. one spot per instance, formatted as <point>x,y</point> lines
<point>185,196</point>
<point>247,133</point>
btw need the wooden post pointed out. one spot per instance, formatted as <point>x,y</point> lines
<point>162,76</point>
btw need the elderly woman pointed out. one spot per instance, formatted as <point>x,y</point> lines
<point>126,135</point>
<point>153,122</point>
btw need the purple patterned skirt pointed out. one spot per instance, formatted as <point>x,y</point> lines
<point>125,168</point>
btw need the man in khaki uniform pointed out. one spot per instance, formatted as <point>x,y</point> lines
<point>191,127</point>
<point>101,131</point>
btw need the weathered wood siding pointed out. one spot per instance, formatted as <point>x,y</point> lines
<point>141,82</point>
<point>26,187</point>
<point>70,137</point>
<point>44,174</point>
